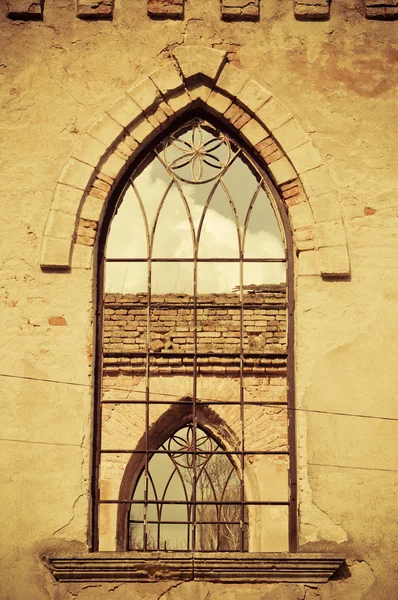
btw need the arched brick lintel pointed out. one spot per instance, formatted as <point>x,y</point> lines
<point>197,75</point>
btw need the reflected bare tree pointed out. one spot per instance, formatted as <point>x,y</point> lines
<point>219,525</point>
<point>201,472</point>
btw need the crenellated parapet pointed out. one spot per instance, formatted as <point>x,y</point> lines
<point>230,10</point>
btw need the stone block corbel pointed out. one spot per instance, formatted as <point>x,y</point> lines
<point>312,10</point>
<point>95,10</point>
<point>25,10</point>
<point>165,9</point>
<point>240,10</point>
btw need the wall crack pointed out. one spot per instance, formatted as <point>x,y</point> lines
<point>172,587</point>
<point>72,517</point>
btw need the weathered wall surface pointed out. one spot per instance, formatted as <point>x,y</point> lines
<point>339,80</point>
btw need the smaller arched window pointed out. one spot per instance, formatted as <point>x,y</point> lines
<point>181,482</point>
<point>194,447</point>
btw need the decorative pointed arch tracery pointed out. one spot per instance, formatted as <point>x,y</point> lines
<point>197,317</point>
<point>206,483</point>
<point>200,78</point>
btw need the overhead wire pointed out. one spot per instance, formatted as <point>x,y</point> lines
<point>201,399</point>
<point>268,404</point>
<point>312,464</point>
<point>353,467</point>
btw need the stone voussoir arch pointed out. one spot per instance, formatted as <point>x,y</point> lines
<point>197,76</point>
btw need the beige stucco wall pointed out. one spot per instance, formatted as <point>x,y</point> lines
<point>338,78</point>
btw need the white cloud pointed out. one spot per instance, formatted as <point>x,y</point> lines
<point>173,239</point>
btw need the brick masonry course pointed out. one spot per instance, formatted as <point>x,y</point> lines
<point>218,329</point>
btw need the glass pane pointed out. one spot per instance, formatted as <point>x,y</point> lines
<point>136,536</point>
<point>152,536</point>
<point>219,233</point>
<point>137,512</point>
<point>230,534</point>
<point>207,537</point>
<point>172,278</point>
<point>172,237</point>
<point>263,235</point>
<point>173,537</point>
<point>126,278</point>
<point>127,235</point>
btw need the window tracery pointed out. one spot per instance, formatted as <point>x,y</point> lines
<point>180,481</point>
<point>196,318</point>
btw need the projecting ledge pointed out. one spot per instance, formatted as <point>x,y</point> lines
<point>181,566</point>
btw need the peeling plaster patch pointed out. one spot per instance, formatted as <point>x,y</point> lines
<point>351,588</point>
<point>315,524</point>
<point>79,509</point>
<point>311,592</point>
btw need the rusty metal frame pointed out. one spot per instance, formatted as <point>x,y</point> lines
<point>176,456</point>
<point>281,212</point>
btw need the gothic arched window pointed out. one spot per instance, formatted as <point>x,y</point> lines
<point>207,479</point>
<point>195,446</point>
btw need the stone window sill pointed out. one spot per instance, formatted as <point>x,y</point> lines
<point>218,567</point>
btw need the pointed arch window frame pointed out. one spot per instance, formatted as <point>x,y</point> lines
<point>138,165</point>
<point>173,420</point>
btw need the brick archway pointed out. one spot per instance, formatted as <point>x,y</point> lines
<point>197,76</point>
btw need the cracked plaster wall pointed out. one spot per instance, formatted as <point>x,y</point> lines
<point>339,80</point>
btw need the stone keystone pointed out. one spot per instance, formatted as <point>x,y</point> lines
<point>195,60</point>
